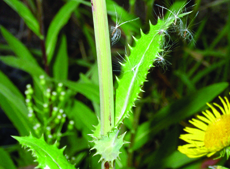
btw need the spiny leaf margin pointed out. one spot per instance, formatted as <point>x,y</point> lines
<point>135,67</point>
<point>109,145</point>
<point>48,156</point>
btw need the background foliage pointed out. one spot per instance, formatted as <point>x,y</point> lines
<point>56,40</point>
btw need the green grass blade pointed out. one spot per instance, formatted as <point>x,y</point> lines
<point>5,160</point>
<point>60,67</point>
<point>23,64</point>
<point>15,109</point>
<point>177,159</point>
<point>58,22</point>
<point>89,90</point>
<point>83,117</point>
<point>6,82</point>
<point>18,48</point>
<point>206,71</point>
<point>185,79</point>
<point>26,15</point>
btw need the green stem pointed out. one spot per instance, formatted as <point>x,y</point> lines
<point>132,6</point>
<point>101,31</point>
<point>42,41</point>
<point>137,114</point>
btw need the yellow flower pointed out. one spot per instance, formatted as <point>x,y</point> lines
<point>212,132</point>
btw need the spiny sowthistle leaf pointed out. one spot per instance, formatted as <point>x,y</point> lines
<point>48,156</point>
<point>149,48</point>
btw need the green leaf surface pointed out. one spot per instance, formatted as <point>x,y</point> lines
<point>26,15</point>
<point>83,63</point>
<point>74,140</point>
<point>5,81</point>
<point>15,109</point>
<point>206,71</point>
<point>84,78</point>
<point>122,15</point>
<point>185,79</point>
<point>23,64</point>
<point>178,111</point>
<point>93,74</point>
<point>177,159</point>
<point>60,67</point>
<point>141,135</point>
<point>89,90</point>
<point>165,149</point>
<point>175,9</point>
<point>83,116</point>
<point>88,32</point>
<point>5,160</point>
<point>148,48</point>
<point>122,162</point>
<point>136,66</point>
<point>5,48</point>
<point>48,156</point>
<point>57,23</point>
<point>15,100</point>
<point>24,157</point>
<point>18,47</point>
<point>197,164</point>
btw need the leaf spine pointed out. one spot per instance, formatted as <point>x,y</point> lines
<point>150,23</point>
<point>121,63</point>
<point>130,47</point>
<point>117,78</point>
<point>142,33</point>
<point>135,39</point>
<point>142,90</point>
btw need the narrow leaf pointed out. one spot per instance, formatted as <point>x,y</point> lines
<point>207,70</point>
<point>60,67</point>
<point>18,47</point>
<point>89,90</point>
<point>15,109</point>
<point>177,160</point>
<point>23,64</point>
<point>58,22</point>
<point>26,15</point>
<point>83,116</point>
<point>5,160</point>
<point>5,81</point>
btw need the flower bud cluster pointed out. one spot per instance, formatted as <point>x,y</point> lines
<point>46,112</point>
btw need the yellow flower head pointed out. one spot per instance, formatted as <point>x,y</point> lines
<point>212,132</point>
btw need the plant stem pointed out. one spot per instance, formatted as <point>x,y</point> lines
<point>101,31</point>
<point>228,49</point>
<point>137,114</point>
<point>42,41</point>
<point>132,6</point>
